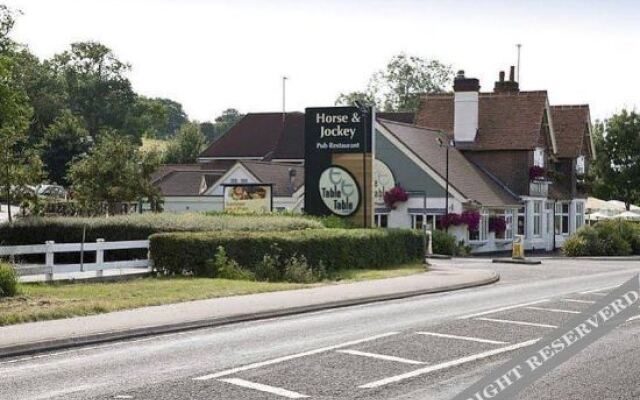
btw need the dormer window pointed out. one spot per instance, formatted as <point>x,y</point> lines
<point>538,157</point>
<point>580,168</point>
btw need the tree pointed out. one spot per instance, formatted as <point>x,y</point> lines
<point>98,89</point>
<point>65,139</point>
<point>224,122</point>
<point>176,117</point>
<point>115,172</point>
<point>617,164</point>
<point>186,146</point>
<point>400,85</point>
<point>148,118</point>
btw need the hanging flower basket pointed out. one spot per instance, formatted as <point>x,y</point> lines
<point>469,218</point>
<point>536,173</point>
<point>497,225</point>
<point>395,195</point>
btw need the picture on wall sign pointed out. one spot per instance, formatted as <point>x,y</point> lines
<point>339,163</point>
<point>383,180</point>
<point>248,198</point>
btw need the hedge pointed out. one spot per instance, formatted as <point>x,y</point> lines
<point>135,227</point>
<point>331,249</point>
<point>605,238</point>
<point>8,281</point>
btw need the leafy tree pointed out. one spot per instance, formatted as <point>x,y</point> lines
<point>400,85</point>
<point>97,87</point>
<point>185,147</point>
<point>65,139</point>
<point>176,117</point>
<point>7,21</point>
<point>148,118</point>
<point>208,129</point>
<point>222,124</point>
<point>115,172</point>
<point>617,163</point>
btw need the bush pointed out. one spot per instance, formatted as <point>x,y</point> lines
<point>606,238</point>
<point>444,243</point>
<point>265,253</point>
<point>8,281</point>
<point>224,268</point>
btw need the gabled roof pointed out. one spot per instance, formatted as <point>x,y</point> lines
<point>571,126</point>
<point>277,174</point>
<point>165,169</point>
<point>406,117</point>
<point>185,183</point>
<point>464,176</point>
<point>506,121</point>
<point>260,135</point>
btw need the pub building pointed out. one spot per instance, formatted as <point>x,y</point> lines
<point>512,162</point>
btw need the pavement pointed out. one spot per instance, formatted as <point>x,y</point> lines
<point>423,347</point>
<point>50,335</point>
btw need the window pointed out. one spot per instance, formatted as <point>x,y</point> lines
<point>522,219</point>
<point>507,215</point>
<point>580,165</point>
<point>538,157</point>
<point>382,220</point>
<point>417,221</point>
<point>481,233</point>
<point>537,218</point>
<point>562,219</point>
<point>579,215</point>
<point>433,221</point>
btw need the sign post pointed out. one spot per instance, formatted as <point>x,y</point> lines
<point>339,163</point>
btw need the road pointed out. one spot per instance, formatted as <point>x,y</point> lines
<point>427,347</point>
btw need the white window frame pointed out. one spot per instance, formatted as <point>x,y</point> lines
<point>483,227</point>
<point>580,165</point>
<point>579,214</point>
<point>537,218</point>
<point>507,214</point>
<point>378,220</point>
<point>521,213</point>
<point>538,157</point>
<point>414,218</point>
<point>561,218</point>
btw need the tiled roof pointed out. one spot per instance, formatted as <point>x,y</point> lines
<point>166,169</point>
<point>570,126</point>
<point>406,117</point>
<point>186,182</point>
<point>506,121</point>
<point>464,176</point>
<point>261,135</point>
<point>277,174</point>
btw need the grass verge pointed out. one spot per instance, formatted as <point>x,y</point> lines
<point>39,302</point>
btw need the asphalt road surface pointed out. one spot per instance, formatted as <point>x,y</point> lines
<point>427,347</point>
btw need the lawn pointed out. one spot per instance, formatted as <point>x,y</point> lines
<point>38,302</point>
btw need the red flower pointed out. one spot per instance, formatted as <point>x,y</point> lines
<point>395,195</point>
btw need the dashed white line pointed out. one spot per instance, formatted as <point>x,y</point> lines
<point>264,388</point>
<point>448,364</point>
<point>523,323</point>
<point>468,338</point>
<point>555,310</point>
<point>291,357</point>
<point>380,357</point>
<point>599,289</point>
<point>580,301</point>
<point>495,310</point>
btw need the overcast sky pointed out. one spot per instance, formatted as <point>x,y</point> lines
<point>210,55</point>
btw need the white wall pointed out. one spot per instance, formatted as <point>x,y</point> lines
<point>239,174</point>
<point>181,204</point>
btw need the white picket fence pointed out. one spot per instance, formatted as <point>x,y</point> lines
<point>49,249</point>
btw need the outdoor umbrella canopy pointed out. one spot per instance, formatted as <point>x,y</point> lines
<point>597,216</point>
<point>629,216</point>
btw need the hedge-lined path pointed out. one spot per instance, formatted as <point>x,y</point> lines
<point>47,335</point>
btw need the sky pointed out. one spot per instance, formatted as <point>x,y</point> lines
<point>211,55</point>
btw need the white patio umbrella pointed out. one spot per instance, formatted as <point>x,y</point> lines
<point>629,216</point>
<point>597,216</point>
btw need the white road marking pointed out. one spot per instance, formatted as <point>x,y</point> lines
<point>555,310</point>
<point>469,338</point>
<point>448,364</point>
<point>634,318</point>
<point>580,301</point>
<point>123,396</point>
<point>265,388</point>
<point>508,321</point>
<point>597,293</point>
<point>495,310</point>
<point>599,289</point>
<point>380,356</point>
<point>290,357</point>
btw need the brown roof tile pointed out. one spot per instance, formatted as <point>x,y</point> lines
<point>261,135</point>
<point>276,174</point>
<point>506,121</point>
<point>570,124</point>
<point>184,183</point>
<point>464,176</point>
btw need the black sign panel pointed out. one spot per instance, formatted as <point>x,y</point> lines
<point>331,133</point>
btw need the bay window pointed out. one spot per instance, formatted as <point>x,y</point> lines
<point>562,219</point>
<point>537,218</point>
<point>579,215</point>
<point>381,220</point>
<point>522,221</point>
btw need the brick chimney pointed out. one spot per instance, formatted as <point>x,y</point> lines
<point>510,86</point>
<point>466,98</point>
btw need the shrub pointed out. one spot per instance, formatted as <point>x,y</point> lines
<point>225,268</point>
<point>297,270</point>
<point>329,249</point>
<point>606,238</point>
<point>444,243</point>
<point>8,281</point>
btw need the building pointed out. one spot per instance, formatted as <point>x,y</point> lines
<point>515,164</point>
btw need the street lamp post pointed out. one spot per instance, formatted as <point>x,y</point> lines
<point>364,109</point>
<point>446,143</point>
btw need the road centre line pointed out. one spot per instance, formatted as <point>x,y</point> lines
<point>508,321</point>
<point>381,357</point>
<point>264,388</point>
<point>495,310</point>
<point>599,289</point>
<point>291,357</point>
<point>448,364</point>
<point>468,338</point>
<point>555,310</point>
<point>580,301</point>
